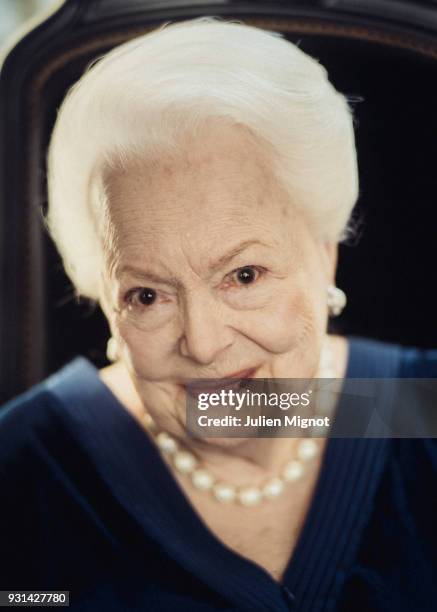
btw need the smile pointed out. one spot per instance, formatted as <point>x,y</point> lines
<point>213,385</point>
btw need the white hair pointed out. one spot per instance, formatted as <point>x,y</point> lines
<point>145,96</point>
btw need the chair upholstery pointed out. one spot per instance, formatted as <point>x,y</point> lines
<point>382,52</point>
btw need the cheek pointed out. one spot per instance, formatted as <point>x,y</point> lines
<point>145,353</point>
<point>288,323</point>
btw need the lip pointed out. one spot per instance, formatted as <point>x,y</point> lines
<point>241,374</point>
<point>230,381</point>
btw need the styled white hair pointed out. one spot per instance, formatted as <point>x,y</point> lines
<point>149,96</point>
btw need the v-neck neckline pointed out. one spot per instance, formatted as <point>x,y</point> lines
<point>141,482</point>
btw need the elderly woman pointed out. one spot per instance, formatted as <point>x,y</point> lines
<point>200,179</point>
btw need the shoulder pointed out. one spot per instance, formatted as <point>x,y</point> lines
<point>27,435</point>
<point>51,489</point>
<point>42,454</point>
<point>22,418</point>
<point>30,420</point>
<point>370,357</point>
<point>418,362</point>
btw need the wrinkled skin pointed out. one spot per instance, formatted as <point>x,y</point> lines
<point>174,223</point>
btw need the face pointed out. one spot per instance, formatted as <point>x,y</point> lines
<point>212,272</point>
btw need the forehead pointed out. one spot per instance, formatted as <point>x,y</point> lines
<point>224,176</point>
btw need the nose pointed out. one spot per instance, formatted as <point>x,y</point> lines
<point>205,334</point>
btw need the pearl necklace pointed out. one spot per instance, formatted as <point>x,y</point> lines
<point>186,463</point>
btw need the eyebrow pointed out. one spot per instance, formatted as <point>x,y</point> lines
<point>213,266</point>
<point>226,258</point>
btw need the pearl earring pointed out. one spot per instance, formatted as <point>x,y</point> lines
<point>336,300</point>
<point>112,349</point>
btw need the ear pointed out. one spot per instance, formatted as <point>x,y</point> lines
<point>330,257</point>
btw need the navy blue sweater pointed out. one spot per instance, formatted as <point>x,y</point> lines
<point>89,506</point>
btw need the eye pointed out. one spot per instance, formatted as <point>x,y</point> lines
<point>143,295</point>
<point>247,275</point>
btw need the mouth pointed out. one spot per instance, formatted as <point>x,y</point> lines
<point>215,385</point>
